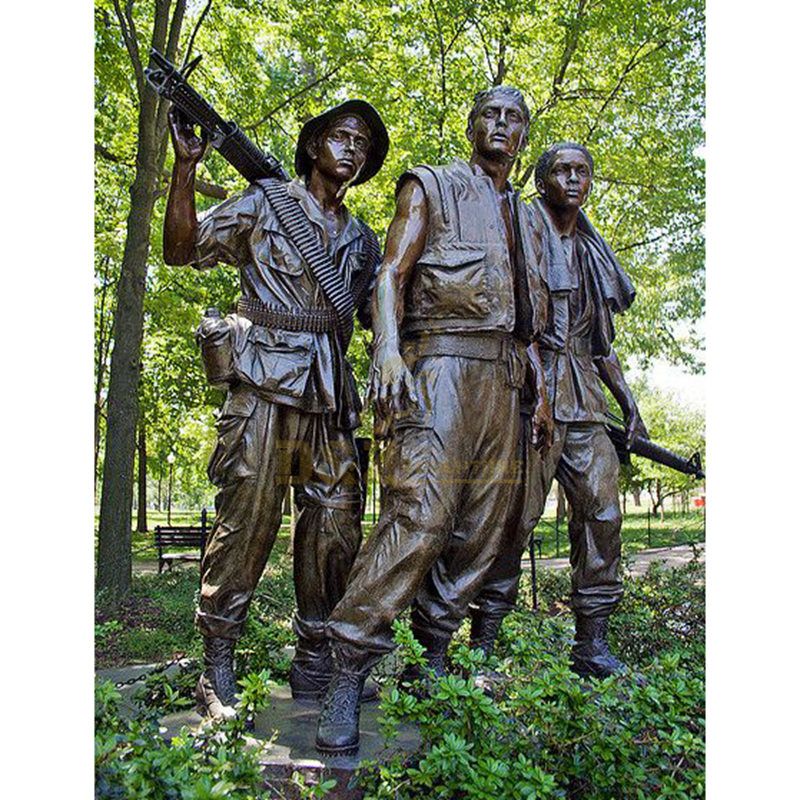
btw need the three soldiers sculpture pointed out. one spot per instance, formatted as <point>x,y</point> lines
<point>493,332</point>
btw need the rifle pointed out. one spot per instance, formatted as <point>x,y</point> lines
<point>242,154</point>
<point>652,451</point>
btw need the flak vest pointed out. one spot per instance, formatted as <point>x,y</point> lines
<point>465,280</point>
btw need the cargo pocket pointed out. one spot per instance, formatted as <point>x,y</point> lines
<point>450,283</point>
<point>233,456</point>
<point>276,361</point>
<point>407,457</point>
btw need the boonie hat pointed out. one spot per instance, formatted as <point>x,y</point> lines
<point>379,145</point>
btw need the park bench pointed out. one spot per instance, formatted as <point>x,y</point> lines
<point>192,538</point>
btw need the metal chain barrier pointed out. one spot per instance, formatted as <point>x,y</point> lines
<point>155,671</point>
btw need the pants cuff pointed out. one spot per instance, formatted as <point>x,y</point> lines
<point>222,627</point>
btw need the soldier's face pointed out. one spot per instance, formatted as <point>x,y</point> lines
<point>569,180</point>
<point>342,152</point>
<point>499,129</point>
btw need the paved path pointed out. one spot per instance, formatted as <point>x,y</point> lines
<point>639,562</point>
<point>671,556</point>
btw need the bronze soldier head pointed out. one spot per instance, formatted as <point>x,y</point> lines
<point>563,175</point>
<point>348,143</point>
<point>498,123</point>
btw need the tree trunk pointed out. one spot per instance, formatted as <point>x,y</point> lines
<point>141,517</point>
<point>624,503</point>
<point>637,496</point>
<point>114,536</point>
<point>100,366</point>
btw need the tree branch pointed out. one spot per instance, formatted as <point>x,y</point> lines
<point>653,239</point>
<point>299,93</point>
<point>203,187</point>
<point>194,33</point>
<point>570,47</point>
<point>442,74</point>
<point>487,53</point>
<point>105,153</point>
<point>128,29</point>
<point>629,67</point>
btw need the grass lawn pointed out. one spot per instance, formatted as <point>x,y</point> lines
<point>677,528</point>
<point>156,622</point>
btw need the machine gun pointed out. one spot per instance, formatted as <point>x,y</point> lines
<point>650,450</point>
<point>242,154</point>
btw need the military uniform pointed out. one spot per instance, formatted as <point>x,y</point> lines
<point>450,466</point>
<point>290,413</point>
<point>586,286</point>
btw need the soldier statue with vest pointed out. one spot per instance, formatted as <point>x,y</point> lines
<point>291,407</point>
<point>457,308</point>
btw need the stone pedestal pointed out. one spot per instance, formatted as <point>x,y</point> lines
<point>285,733</point>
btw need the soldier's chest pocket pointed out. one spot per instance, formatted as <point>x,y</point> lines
<point>277,252</point>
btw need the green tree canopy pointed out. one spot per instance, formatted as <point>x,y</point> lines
<point>624,78</point>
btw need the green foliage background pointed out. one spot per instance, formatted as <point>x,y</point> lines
<point>624,78</point>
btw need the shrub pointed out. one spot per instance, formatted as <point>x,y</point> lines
<point>548,733</point>
<point>132,759</point>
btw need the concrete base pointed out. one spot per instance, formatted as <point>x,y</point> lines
<point>285,733</point>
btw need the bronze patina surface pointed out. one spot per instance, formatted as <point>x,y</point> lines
<point>291,407</point>
<point>457,303</point>
<point>586,286</point>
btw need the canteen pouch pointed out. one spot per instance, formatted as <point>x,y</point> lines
<point>215,340</point>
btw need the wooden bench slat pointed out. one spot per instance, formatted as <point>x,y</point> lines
<point>183,536</point>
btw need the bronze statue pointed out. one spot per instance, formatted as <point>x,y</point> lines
<point>586,286</point>
<point>291,406</point>
<point>457,302</point>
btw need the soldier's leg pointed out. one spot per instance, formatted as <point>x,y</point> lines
<point>589,473</point>
<point>419,503</point>
<point>327,537</point>
<point>501,587</point>
<point>490,489</point>
<point>250,465</point>
<point>420,499</point>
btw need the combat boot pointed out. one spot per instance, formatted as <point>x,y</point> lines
<point>435,644</point>
<point>216,690</point>
<point>312,666</point>
<point>483,631</point>
<point>337,728</point>
<point>482,636</point>
<point>590,654</point>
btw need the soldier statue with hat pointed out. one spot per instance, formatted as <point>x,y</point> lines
<point>306,266</point>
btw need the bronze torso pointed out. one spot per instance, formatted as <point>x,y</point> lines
<point>464,281</point>
<point>295,368</point>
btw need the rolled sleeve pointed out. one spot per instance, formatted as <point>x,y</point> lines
<point>223,231</point>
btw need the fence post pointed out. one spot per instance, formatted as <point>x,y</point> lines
<point>203,535</point>
<point>649,540</point>
<point>375,483</point>
<point>557,537</point>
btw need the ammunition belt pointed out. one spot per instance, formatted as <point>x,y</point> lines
<point>309,320</point>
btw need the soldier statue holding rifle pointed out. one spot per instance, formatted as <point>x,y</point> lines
<point>306,264</point>
<point>586,286</point>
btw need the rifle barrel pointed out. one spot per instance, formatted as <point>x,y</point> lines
<point>655,452</point>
